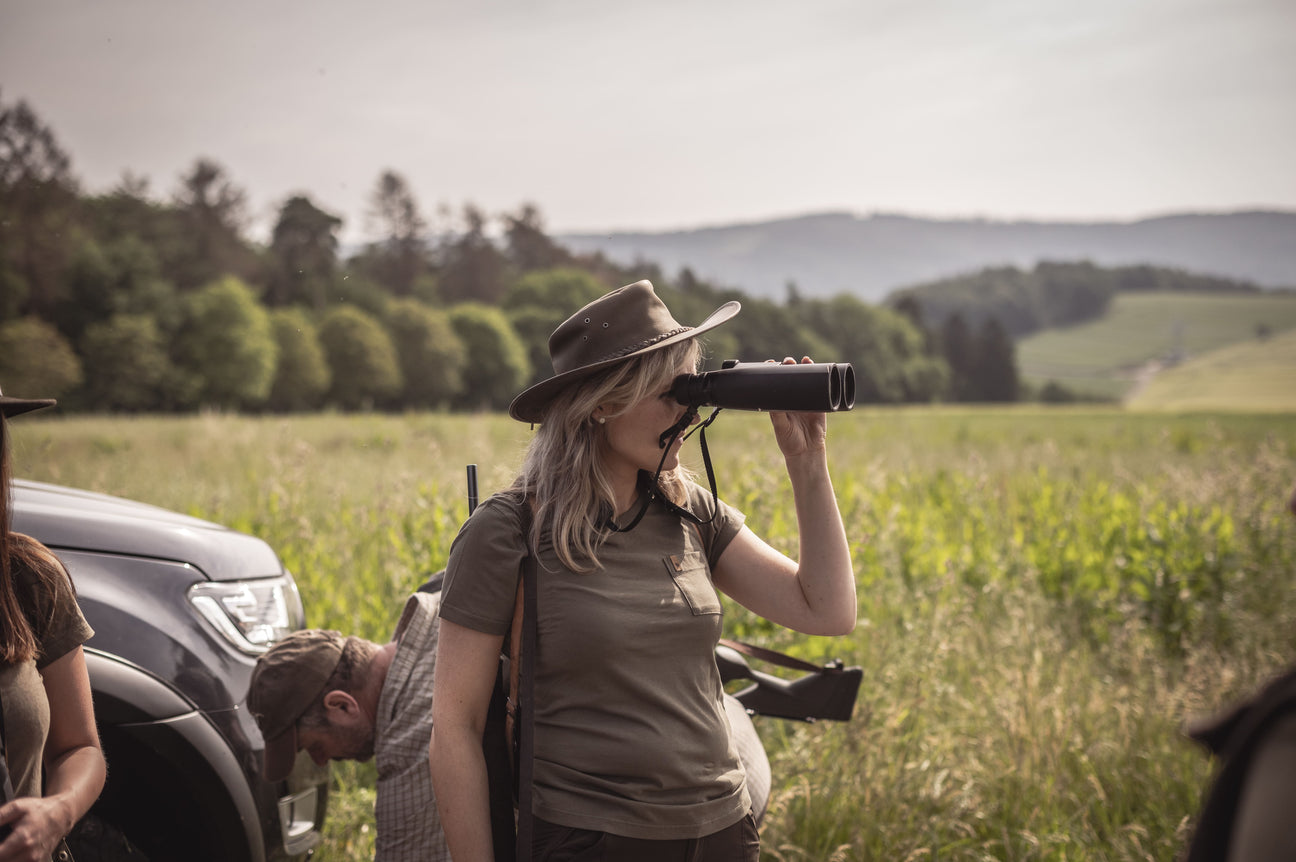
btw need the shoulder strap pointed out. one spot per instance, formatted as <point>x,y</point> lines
<point>516,637</point>
<point>515,667</point>
<point>520,703</point>
<point>526,738</point>
<point>771,656</point>
<point>500,741</point>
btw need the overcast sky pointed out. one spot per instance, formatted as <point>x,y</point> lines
<point>611,115</point>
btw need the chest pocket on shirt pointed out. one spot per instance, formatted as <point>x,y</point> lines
<point>693,579</point>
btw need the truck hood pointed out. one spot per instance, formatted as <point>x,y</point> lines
<point>72,519</point>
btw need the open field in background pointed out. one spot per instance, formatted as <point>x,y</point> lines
<point>1250,375</point>
<point>1103,357</point>
<point>1045,595</point>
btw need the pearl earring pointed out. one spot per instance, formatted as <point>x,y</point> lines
<point>602,419</point>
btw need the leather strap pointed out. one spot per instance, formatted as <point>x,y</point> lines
<point>515,667</point>
<point>522,661</point>
<point>526,738</point>
<point>520,705</point>
<point>771,656</point>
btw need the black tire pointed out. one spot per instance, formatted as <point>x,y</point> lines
<point>96,840</point>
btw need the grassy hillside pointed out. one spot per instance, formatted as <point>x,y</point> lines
<point>1105,357</point>
<point>1250,375</point>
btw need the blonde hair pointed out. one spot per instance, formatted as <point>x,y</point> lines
<point>564,471</point>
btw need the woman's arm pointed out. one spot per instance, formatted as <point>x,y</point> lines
<point>465,676</point>
<point>74,765</point>
<point>815,595</point>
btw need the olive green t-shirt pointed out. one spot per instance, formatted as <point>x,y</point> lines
<point>631,736</point>
<point>59,628</point>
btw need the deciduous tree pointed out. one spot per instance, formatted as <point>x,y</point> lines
<point>539,301</point>
<point>361,359</point>
<point>430,354</point>
<point>226,343</point>
<point>883,347</point>
<point>302,372</point>
<point>36,360</point>
<point>126,366</point>
<point>497,365</point>
<point>562,289</point>
<point>114,275</point>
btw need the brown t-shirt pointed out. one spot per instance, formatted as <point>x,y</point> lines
<point>630,729</point>
<point>59,628</point>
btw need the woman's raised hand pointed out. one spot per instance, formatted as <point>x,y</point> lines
<point>799,433</point>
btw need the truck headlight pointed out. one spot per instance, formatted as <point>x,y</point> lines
<point>251,615</point>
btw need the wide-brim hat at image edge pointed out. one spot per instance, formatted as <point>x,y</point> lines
<point>10,407</point>
<point>630,321</point>
<point>285,682</point>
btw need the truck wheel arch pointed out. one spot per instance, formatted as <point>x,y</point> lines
<point>174,787</point>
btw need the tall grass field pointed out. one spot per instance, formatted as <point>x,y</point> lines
<point>1045,596</point>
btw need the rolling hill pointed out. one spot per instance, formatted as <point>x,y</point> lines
<point>1145,334</point>
<point>1252,376</point>
<point>870,256</point>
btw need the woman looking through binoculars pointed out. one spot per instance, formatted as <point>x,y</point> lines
<point>633,756</point>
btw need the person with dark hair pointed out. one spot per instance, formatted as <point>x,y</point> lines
<point>340,697</point>
<point>347,698</point>
<point>51,754</point>
<point>1246,815</point>
<point>634,758</point>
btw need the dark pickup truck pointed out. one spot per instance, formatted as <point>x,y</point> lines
<point>181,609</point>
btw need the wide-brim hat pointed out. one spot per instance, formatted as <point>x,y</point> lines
<point>630,321</point>
<point>10,407</point>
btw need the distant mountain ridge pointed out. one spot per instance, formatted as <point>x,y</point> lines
<point>870,256</point>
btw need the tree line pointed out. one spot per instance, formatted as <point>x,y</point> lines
<point>130,302</point>
<point>1052,294</point>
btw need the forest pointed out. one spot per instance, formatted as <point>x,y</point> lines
<point>1051,295</point>
<point>130,302</point>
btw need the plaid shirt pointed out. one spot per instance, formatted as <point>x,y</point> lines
<point>408,825</point>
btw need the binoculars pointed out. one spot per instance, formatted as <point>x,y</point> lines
<point>819,387</point>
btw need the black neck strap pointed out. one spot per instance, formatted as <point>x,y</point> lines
<point>654,491</point>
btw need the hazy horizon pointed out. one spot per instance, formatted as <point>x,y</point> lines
<point>613,117</point>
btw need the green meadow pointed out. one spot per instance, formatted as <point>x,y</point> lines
<point>1044,597</point>
<point>1103,357</point>
<point>1249,375</point>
